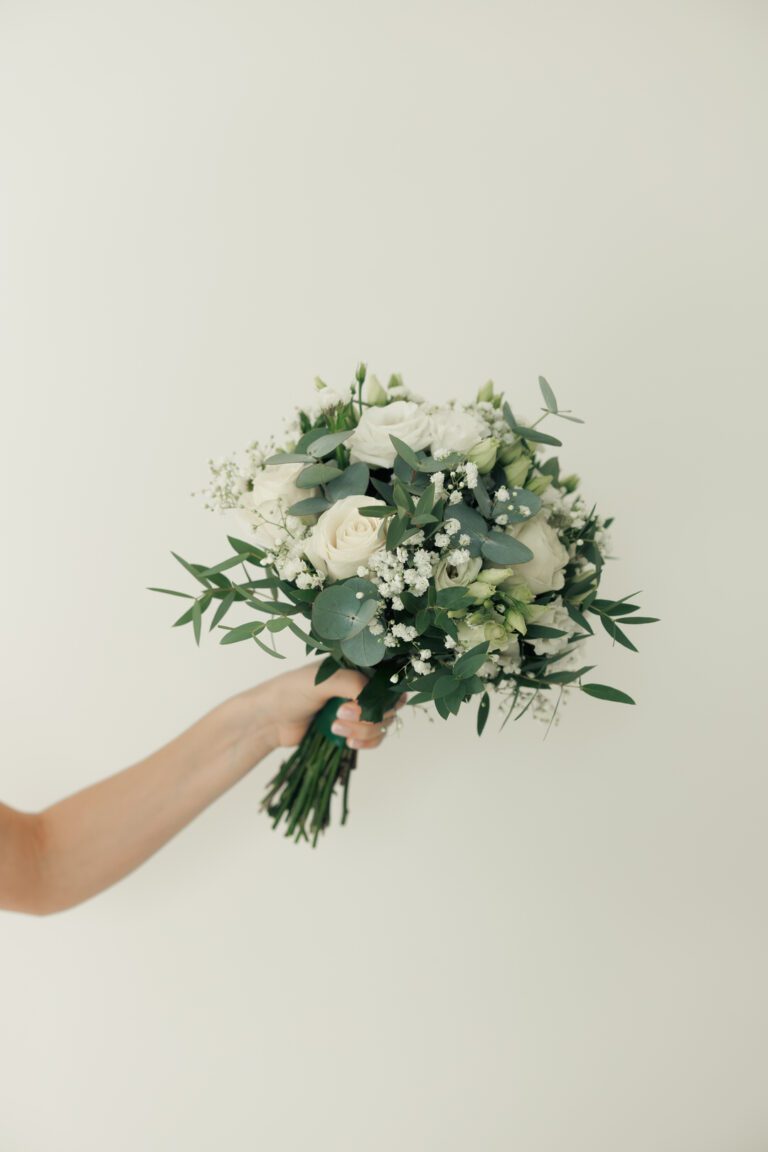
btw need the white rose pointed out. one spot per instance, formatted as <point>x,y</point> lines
<point>544,572</point>
<point>453,430</point>
<point>370,441</point>
<point>555,615</point>
<point>488,631</point>
<point>342,539</point>
<point>457,575</point>
<point>268,522</point>
<point>276,484</point>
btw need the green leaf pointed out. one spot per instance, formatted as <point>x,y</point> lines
<point>641,620</point>
<point>379,695</point>
<point>247,631</point>
<point>197,614</point>
<point>453,598</point>
<point>521,498</point>
<point>616,633</point>
<point>170,592</point>
<point>311,507</point>
<point>500,548</point>
<point>548,394</point>
<point>278,623</point>
<point>405,452</point>
<point>483,710</point>
<point>377,510</point>
<point>396,532</point>
<point>288,458</point>
<point>316,474</point>
<point>364,650</point>
<point>579,618</point>
<point>542,632</point>
<point>245,549</point>
<point>352,482</point>
<point>567,416</point>
<point>310,436</point>
<point>605,692</point>
<point>426,500</point>
<point>195,570</point>
<point>468,664</point>
<point>337,614</point>
<point>324,445</point>
<point>445,686</point>
<point>232,562</point>
<point>327,668</point>
<point>223,608</point>
<point>536,437</point>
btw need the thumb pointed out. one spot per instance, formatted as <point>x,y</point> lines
<point>346,683</point>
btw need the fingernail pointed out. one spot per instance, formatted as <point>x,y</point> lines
<point>347,711</point>
<point>354,744</point>
<point>338,729</point>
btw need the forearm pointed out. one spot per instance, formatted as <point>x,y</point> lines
<point>92,839</point>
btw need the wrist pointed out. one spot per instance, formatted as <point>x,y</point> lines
<point>250,725</point>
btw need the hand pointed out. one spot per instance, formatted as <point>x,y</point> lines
<point>288,702</point>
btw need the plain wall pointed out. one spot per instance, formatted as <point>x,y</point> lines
<point>515,943</point>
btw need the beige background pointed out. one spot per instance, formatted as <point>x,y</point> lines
<point>515,944</point>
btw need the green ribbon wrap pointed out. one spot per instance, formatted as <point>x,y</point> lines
<point>326,716</point>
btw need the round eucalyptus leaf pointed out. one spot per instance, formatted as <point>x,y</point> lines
<point>502,549</point>
<point>364,649</point>
<point>338,614</point>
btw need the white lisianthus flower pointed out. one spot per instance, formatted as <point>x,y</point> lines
<point>488,631</point>
<point>455,430</point>
<point>555,615</point>
<point>342,540</point>
<point>450,575</point>
<point>276,483</point>
<point>269,526</point>
<point>544,572</point>
<point>370,442</point>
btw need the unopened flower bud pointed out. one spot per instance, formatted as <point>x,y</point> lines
<point>486,392</point>
<point>539,484</point>
<point>516,472</point>
<point>360,373</point>
<point>483,454</point>
<point>373,393</point>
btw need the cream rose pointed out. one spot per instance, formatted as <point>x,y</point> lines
<point>343,540</point>
<point>370,442</point>
<point>268,522</point>
<point>276,484</point>
<point>457,575</point>
<point>453,430</point>
<point>544,572</point>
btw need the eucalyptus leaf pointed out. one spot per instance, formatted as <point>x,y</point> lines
<point>548,394</point>
<point>337,613</point>
<point>288,458</point>
<point>313,506</point>
<point>605,692</point>
<point>534,436</point>
<point>364,650</point>
<point>324,445</point>
<point>500,548</point>
<point>316,474</point>
<point>483,710</point>
<point>352,482</point>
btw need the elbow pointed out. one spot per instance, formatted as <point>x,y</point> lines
<point>35,893</point>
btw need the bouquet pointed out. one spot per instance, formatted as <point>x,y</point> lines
<point>437,548</point>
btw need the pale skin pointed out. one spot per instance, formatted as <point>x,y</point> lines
<point>59,857</point>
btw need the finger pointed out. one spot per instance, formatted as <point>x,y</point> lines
<point>365,745</point>
<point>350,710</point>
<point>359,729</point>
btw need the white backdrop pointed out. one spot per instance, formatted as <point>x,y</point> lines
<point>515,944</point>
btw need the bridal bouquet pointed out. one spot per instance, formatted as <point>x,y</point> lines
<point>438,548</point>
